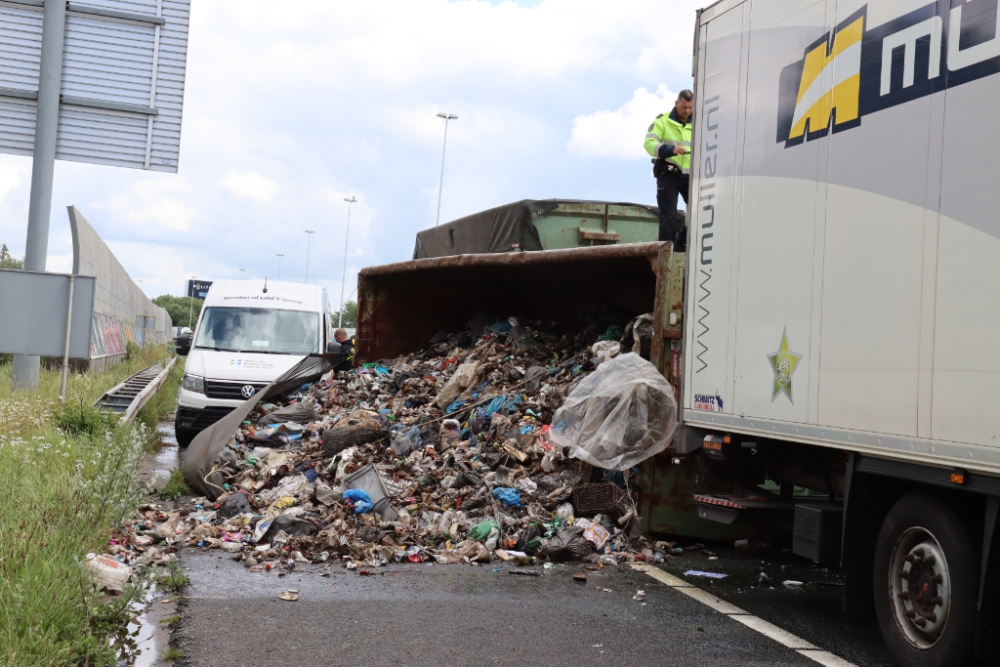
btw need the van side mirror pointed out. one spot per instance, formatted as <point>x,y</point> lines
<point>334,348</point>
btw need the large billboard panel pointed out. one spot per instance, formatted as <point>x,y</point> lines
<point>198,288</point>
<point>124,65</point>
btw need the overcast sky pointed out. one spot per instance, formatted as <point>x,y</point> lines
<point>292,106</point>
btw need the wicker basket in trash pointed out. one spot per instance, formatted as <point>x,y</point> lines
<point>605,498</point>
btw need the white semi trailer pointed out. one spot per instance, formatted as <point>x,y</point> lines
<point>842,304</point>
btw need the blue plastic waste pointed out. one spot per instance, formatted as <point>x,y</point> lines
<point>361,501</point>
<point>500,327</point>
<point>495,405</point>
<point>458,403</point>
<point>508,496</point>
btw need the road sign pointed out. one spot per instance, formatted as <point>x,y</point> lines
<point>122,81</point>
<point>198,288</point>
<point>39,325</point>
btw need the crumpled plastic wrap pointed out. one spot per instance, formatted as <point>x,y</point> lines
<point>302,412</point>
<point>619,416</point>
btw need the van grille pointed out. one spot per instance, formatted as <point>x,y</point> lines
<point>230,390</point>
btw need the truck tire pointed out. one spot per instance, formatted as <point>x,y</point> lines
<point>926,583</point>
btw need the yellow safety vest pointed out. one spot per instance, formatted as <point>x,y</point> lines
<point>666,130</point>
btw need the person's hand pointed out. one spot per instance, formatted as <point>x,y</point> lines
<point>680,150</point>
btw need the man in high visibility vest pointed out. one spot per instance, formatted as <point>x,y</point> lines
<point>347,344</point>
<point>668,140</point>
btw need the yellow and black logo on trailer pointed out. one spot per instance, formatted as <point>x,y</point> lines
<point>856,69</point>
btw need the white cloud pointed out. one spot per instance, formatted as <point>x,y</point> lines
<point>10,177</point>
<point>619,133</point>
<point>352,46</point>
<point>162,202</point>
<point>253,186</point>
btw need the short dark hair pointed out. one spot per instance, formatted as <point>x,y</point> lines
<point>685,95</point>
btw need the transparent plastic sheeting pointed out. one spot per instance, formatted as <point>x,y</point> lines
<point>619,416</point>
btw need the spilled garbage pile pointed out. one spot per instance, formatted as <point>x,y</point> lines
<point>139,545</point>
<point>483,446</point>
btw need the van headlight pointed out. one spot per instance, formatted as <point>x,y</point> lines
<point>194,383</point>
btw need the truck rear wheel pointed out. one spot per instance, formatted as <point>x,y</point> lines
<point>926,583</point>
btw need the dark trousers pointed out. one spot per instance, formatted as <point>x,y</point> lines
<point>668,187</point>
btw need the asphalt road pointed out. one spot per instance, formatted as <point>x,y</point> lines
<point>811,611</point>
<point>457,615</point>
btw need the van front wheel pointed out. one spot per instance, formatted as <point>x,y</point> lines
<point>184,435</point>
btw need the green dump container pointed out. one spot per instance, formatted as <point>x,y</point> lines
<point>541,224</point>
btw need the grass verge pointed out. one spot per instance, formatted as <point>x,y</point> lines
<point>171,654</point>
<point>162,403</point>
<point>68,477</point>
<point>176,486</point>
<point>172,578</point>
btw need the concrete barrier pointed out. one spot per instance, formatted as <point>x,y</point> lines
<point>121,309</point>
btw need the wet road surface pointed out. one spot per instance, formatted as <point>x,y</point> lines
<point>454,615</point>
<point>811,611</point>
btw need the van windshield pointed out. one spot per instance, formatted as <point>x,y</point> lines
<point>259,330</point>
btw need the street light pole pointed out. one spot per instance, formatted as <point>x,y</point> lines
<point>343,277</point>
<point>242,271</point>
<point>190,304</point>
<point>279,265</point>
<point>310,232</point>
<point>447,117</point>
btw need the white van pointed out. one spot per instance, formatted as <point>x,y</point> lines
<point>249,333</point>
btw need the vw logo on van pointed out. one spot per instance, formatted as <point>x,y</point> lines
<point>248,391</point>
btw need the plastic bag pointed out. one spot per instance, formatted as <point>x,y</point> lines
<point>567,544</point>
<point>405,440</point>
<point>482,530</point>
<point>619,416</point>
<point>360,500</point>
<point>509,497</point>
<point>302,412</point>
<point>606,350</point>
<point>464,377</point>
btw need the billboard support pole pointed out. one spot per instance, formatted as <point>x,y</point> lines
<point>69,331</point>
<point>25,368</point>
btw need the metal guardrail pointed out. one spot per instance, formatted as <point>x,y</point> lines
<point>128,397</point>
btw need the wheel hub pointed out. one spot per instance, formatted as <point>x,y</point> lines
<point>920,587</point>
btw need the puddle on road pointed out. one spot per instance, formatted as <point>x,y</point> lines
<point>156,468</point>
<point>146,638</point>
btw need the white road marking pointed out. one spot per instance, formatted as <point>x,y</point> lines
<point>769,630</point>
<point>710,600</point>
<point>826,659</point>
<point>772,631</point>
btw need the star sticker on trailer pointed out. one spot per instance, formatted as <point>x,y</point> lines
<point>783,363</point>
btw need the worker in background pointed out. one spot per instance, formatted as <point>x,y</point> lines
<point>668,140</point>
<point>347,346</point>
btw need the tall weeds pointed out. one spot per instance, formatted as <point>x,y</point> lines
<point>62,492</point>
